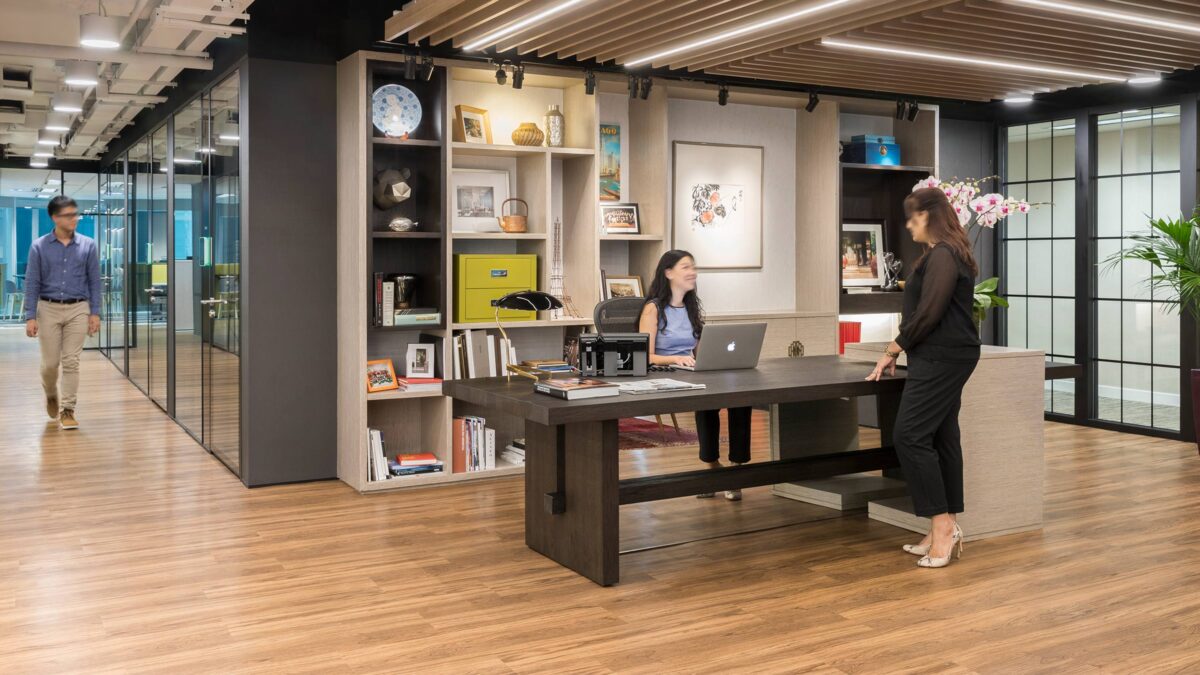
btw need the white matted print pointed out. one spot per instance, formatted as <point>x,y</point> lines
<point>718,204</point>
<point>419,361</point>
<point>478,194</point>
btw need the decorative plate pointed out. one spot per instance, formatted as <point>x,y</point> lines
<point>395,110</point>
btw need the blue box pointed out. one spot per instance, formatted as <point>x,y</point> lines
<point>887,154</point>
<point>873,138</point>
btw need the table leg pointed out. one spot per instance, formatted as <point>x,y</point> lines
<point>572,497</point>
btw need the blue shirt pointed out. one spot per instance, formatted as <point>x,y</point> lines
<point>70,272</point>
<point>676,338</point>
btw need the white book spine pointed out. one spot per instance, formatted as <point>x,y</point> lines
<point>503,357</point>
<point>457,356</point>
<point>491,449</point>
<point>389,303</point>
<point>491,354</point>
<point>512,353</point>
<point>470,351</point>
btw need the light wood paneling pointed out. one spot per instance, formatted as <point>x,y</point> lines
<point>817,210</point>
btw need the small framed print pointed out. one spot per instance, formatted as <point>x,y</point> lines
<point>419,362</point>
<point>620,218</point>
<point>860,252</point>
<point>478,196</point>
<point>622,287</point>
<point>472,125</point>
<point>381,376</point>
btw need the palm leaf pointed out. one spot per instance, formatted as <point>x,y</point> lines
<point>1172,249</point>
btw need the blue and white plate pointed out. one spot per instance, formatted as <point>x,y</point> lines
<point>395,110</point>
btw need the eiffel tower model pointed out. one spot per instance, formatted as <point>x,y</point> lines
<point>556,275</point>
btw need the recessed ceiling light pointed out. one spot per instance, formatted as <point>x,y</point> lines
<point>67,101</point>
<point>1145,79</point>
<point>99,32</point>
<point>1018,99</point>
<point>954,58</point>
<point>43,153</point>
<point>523,23</point>
<point>47,137</point>
<point>38,162</point>
<point>82,74</point>
<point>726,35</point>
<point>57,121</point>
<point>1123,17</point>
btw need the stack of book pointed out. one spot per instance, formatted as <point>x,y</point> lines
<point>551,367</point>
<point>514,453</point>
<point>474,445</point>
<point>657,386</point>
<point>478,353</point>
<point>575,388</point>
<point>387,314</point>
<point>415,464</point>
<point>376,457</point>
<point>420,383</point>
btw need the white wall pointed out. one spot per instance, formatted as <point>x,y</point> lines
<point>773,287</point>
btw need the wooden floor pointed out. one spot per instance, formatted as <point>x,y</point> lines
<point>124,547</point>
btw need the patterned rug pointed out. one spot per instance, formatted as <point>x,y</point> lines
<point>636,434</point>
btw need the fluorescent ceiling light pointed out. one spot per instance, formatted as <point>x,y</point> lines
<point>1123,17</point>
<point>206,150</point>
<point>67,101</point>
<point>82,74</point>
<point>523,23</point>
<point>1145,79</point>
<point>1019,99</point>
<point>57,121</point>
<point>47,138</point>
<point>970,60</point>
<point>726,35</point>
<point>99,32</point>
<point>185,160</point>
<point>43,153</point>
<point>1118,120</point>
<point>38,162</point>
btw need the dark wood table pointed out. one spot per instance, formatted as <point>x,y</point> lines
<point>572,490</point>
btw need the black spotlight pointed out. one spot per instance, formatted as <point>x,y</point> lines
<point>900,105</point>
<point>913,111</point>
<point>501,76</point>
<point>518,76</point>
<point>813,101</point>
<point>723,95</point>
<point>633,86</point>
<point>410,67</point>
<point>646,82</point>
<point>589,82</point>
<point>427,68</point>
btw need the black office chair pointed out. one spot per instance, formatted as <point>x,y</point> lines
<point>621,315</point>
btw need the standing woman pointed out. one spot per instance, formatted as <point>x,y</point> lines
<point>938,332</point>
<point>674,319</point>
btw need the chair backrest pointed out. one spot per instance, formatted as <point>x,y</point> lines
<point>618,315</point>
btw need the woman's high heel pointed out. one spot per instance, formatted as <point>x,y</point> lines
<point>956,541</point>
<point>916,549</point>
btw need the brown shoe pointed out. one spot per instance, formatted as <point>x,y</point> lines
<point>52,407</point>
<point>66,420</point>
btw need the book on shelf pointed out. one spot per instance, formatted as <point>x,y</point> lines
<point>417,459</point>
<point>377,286</point>
<point>474,445</point>
<point>491,355</point>
<point>398,469</point>
<point>512,455</point>
<point>418,384</point>
<point>576,388</point>
<point>376,456</point>
<point>416,317</point>
<point>657,386</point>
<point>478,357</point>
<point>469,354</point>
<point>387,307</point>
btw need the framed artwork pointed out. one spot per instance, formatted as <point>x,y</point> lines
<point>622,287</point>
<point>620,218</point>
<point>860,250</point>
<point>610,163</point>
<point>717,197</point>
<point>419,362</point>
<point>472,125</point>
<point>478,194</point>
<point>381,376</point>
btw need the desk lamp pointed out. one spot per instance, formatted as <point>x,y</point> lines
<point>538,301</point>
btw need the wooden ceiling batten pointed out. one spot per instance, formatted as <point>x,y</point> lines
<point>616,32</point>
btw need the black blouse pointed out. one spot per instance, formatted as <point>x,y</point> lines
<point>939,297</point>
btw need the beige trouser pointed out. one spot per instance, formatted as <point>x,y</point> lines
<point>62,330</point>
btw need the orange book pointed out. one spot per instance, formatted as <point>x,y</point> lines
<point>417,459</point>
<point>459,457</point>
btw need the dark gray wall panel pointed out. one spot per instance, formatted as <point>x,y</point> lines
<point>968,150</point>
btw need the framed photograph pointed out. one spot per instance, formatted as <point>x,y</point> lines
<point>718,202</point>
<point>381,376</point>
<point>472,125</point>
<point>859,250</point>
<point>620,218</point>
<point>610,163</point>
<point>420,361</point>
<point>478,194</point>
<point>622,287</point>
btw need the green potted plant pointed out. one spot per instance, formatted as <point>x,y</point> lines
<point>1172,247</point>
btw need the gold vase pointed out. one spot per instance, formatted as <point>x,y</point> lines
<point>528,134</point>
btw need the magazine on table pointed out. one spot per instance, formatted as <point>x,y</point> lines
<point>657,386</point>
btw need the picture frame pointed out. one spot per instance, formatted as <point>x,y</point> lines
<point>610,162</point>
<point>472,125</point>
<point>381,376</point>
<point>861,246</point>
<point>717,195</point>
<point>478,195</point>
<point>623,287</point>
<point>622,218</point>
<point>419,361</point>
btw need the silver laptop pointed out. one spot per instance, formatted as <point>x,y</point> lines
<point>729,346</point>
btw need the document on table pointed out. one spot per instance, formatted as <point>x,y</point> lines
<point>657,386</point>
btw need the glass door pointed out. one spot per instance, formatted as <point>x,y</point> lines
<point>139,262</point>
<point>157,290</point>
<point>113,302</point>
<point>222,278</point>
<point>191,257</point>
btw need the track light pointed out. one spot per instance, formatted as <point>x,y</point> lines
<point>900,105</point>
<point>57,121</point>
<point>82,73</point>
<point>67,101</point>
<point>913,111</point>
<point>427,68</point>
<point>518,76</point>
<point>813,101</point>
<point>633,86</point>
<point>99,32</point>
<point>410,67</point>
<point>646,82</point>
<point>723,95</point>
<point>501,76</point>
<point>589,82</point>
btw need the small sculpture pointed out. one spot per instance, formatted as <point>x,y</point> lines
<point>891,271</point>
<point>402,224</point>
<point>391,187</point>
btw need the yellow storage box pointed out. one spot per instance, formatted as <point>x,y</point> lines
<point>481,278</point>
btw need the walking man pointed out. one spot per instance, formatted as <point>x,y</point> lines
<point>62,304</point>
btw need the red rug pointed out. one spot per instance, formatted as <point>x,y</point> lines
<point>636,434</point>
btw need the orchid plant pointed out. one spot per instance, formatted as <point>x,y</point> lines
<point>976,210</point>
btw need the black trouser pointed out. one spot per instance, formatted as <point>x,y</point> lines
<point>708,428</point>
<point>927,436</point>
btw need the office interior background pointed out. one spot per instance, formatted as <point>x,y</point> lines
<point>211,152</point>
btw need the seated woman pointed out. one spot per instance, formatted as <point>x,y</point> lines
<point>673,318</point>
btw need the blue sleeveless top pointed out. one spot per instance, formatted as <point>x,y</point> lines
<point>675,339</point>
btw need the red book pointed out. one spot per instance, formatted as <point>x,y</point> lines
<point>418,459</point>
<point>459,456</point>
<point>423,380</point>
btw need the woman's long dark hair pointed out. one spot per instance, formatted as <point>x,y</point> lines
<point>942,225</point>
<point>660,293</point>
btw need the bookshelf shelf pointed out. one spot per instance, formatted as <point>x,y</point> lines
<point>631,237</point>
<point>500,235</point>
<point>405,235</point>
<point>401,482</point>
<point>396,394</point>
<point>498,150</point>
<point>379,140</point>
<point>883,167</point>
<point>513,325</point>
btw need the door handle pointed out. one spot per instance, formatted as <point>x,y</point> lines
<point>213,301</point>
